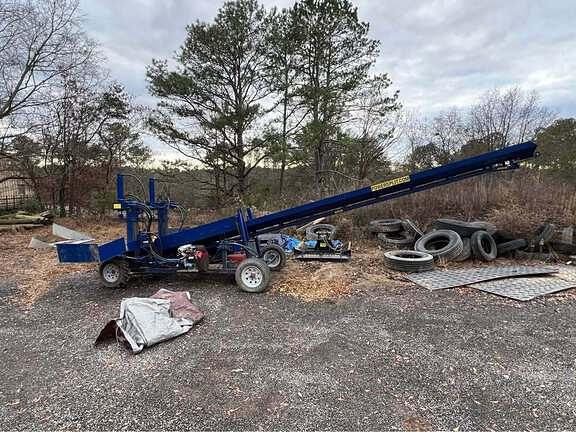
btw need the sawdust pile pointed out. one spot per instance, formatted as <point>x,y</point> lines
<point>313,281</point>
<point>34,271</point>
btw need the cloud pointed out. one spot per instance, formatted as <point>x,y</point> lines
<point>439,53</point>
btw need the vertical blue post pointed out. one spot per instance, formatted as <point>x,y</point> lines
<point>132,223</point>
<point>119,187</point>
<point>151,190</point>
<point>242,226</point>
<point>162,212</point>
<point>249,214</point>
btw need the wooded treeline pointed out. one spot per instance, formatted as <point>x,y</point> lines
<point>262,104</point>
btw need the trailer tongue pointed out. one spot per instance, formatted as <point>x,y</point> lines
<point>228,245</point>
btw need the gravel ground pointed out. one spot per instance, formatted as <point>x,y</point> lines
<point>388,357</point>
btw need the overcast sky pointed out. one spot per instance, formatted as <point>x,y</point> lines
<point>439,53</point>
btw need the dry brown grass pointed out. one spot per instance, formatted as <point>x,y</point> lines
<point>34,271</point>
<point>314,281</point>
<point>517,202</point>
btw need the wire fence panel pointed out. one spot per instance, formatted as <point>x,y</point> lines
<point>13,202</point>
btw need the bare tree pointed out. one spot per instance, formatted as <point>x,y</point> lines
<point>506,117</point>
<point>39,42</point>
<point>449,132</point>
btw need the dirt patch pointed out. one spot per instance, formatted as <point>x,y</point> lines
<point>34,271</point>
<point>313,280</point>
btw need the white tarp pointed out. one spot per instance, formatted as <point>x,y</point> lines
<point>147,321</point>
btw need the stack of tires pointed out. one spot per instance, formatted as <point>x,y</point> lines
<point>394,233</point>
<point>456,240</point>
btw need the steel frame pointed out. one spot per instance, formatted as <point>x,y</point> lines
<point>244,227</point>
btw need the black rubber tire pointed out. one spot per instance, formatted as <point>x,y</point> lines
<point>318,232</point>
<point>261,275</point>
<point>510,246</point>
<point>483,246</point>
<point>501,236</point>
<point>115,266</point>
<point>412,228</point>
<point>443,245</point>
<point>396,239</point>
<point>466,251</point>
<point>408,261</point>
<point>279,256</point>
<point>385,225</point>
<point>490,228</point>
<point>464,229</point>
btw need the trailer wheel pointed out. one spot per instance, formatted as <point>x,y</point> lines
<point>252,275</point>
<point>114,273</point>
<point>274,256</point>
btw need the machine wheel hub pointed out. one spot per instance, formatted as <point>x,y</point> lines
<point>111,273</point>
<point>272,258</point>
<point>252,276</point>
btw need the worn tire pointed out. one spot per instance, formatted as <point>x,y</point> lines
<point>395,239</point>
<point>318,231</point>
<point>408,261</point>
<point>252,275</point>
<point>501,236</point>
<point>443,245</point>
<point>510,246</point>
<point>464,229</point>
<point>114,273</point>
<point>385,225</point>
<point>466,251</point>
<point>483,246</point>
<point>274,256</point>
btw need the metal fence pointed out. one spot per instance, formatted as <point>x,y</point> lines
<point>13,202</point>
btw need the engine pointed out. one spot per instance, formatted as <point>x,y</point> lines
<point>193,257</point>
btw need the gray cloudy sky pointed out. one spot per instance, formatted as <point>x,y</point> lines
<point>439,53</point>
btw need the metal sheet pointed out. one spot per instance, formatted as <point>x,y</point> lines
<point>566,272</point>
<point>525,288</point>
<point>67,233</point>
<point>77,253</point>
<point>441,279</point>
